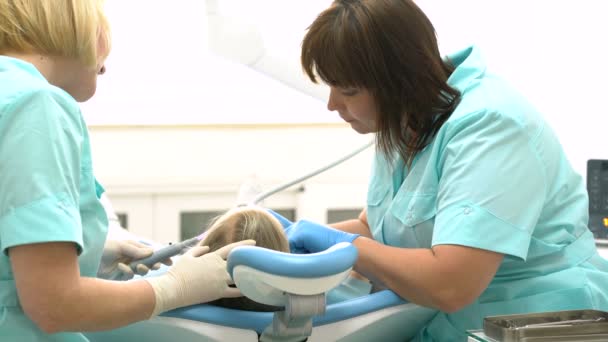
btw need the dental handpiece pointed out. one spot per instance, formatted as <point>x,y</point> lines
<point>165,253</point>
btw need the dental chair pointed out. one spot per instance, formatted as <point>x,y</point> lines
<point>298,283</point>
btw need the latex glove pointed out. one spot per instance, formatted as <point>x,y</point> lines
<point>309,237</point>
<point>197,277</point>
<point>117,254</point>
<point>284,222</point>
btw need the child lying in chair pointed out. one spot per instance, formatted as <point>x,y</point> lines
<point>246,223</point>
<point>255,223</point>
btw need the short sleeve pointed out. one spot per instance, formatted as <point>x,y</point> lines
<point>40,170</point>
<point>492,184</point>
<point>99,189</point>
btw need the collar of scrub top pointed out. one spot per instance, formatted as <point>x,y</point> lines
<point>469,64</point>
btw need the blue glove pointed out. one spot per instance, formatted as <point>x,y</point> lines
<point>284,222</point>
<point>309,237</point>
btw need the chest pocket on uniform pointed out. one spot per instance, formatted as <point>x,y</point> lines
<point>414,214</point>
<point>378,202</point>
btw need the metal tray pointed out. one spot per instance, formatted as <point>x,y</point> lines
<point>572,325</point>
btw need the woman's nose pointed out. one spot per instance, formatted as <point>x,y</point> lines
<point>334,100</point>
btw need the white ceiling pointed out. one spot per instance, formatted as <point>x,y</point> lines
<point>161,69</point>
<point>172,63</point>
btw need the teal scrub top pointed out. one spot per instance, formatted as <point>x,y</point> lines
<point>48,189</point>
<point>494,177</point>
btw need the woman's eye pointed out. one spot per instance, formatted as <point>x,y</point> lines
<point>349,92</point>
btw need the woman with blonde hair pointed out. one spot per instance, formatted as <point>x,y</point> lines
<point>52,224</point>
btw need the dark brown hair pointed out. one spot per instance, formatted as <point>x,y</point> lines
<point>388,47</point>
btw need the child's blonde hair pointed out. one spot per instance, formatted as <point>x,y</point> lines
<point>60,28</point>
<point>247,223</point>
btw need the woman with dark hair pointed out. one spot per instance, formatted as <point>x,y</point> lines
<point>473,207</point>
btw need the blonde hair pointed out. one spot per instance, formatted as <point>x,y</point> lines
<point>246,223</point>
<point>60,28</point>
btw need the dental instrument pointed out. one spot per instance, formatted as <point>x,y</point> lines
<point>284,186</point>
<point>166,252</point>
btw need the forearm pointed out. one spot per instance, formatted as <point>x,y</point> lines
<point>411,273</point>
<point>56,298</point>
<point>65,301</point>
<point>446,277</point>
<point>97,304</point>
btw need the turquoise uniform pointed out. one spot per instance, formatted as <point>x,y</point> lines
<point>494,177</point>
<point>48,189</point>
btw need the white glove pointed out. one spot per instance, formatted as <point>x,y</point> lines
<point>117,254</point>
<point>197,277</point>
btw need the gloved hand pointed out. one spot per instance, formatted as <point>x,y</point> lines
<point>284,222</point>
<point>309,237</point>
<point>117,254</point>
<point>197,277</point>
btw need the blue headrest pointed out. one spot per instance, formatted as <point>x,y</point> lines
<point>332,261</point>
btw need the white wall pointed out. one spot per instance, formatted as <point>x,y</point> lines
<point>154,173</point>
<point>160,71</point>
<point>553,50</point>
<point>173,123</point>
<point>219,155</point>
<point>175,127</point>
